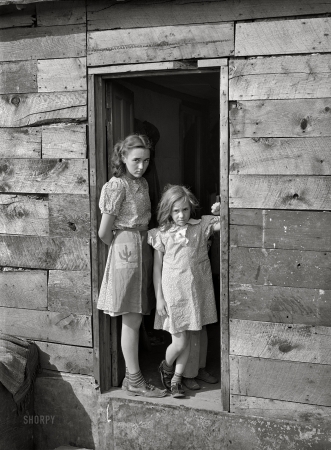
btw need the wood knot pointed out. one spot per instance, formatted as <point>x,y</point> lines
<point>15,101</point>
<point>303,124</point>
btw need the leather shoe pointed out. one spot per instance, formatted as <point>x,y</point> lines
<point>177,391</point>
<point>165,377</point>
<point>146,390</point>
<point>125,384</point>
<point>191,384</point>
<point>203,375</point>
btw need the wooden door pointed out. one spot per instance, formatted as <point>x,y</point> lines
<point>120,123</point>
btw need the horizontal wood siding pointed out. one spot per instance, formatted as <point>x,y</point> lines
<point>32,282</point>
<point>159,44</point>
<point>69,215</point>
<point>283,37</point>
<point>56,75</point>
<point>20,142</point>
<point>64,141</point>
<point>70,12</point>
<point>18,77</point>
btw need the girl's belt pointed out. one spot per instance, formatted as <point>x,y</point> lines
<point>132,229</point>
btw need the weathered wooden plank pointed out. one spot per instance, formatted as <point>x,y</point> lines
<point>281,118</point>
<point>281,380</point>
<point>69,215</point>
<point>280,192</point>
<point>145,67</point>
<point>281,156</point>
<point>64,141</point>
<point>18,77</point>
<point>69,292</point>
<point>281,37</point>
<point>70,12</point>
<point>301,230</point>
<point>280,267</point>
<point>44,176</point>
<point>24,214</point>
<point>47,326</point>
<point>20,142</point>
<point>42,43</point>
<point>65,358</point>
<point>282,341</point>
<point>159,44</point>
<point>103,14</point>
<point>56,75</point>
<point>280,304</point>
<point>44,253</point>
<point>25,289</point>
<point>215,62</point>
<point>284,77</point>
<point>278,409</point>
<point>10,16</point>
<point>19,110</point>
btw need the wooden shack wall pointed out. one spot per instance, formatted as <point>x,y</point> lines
<point>279,178</point>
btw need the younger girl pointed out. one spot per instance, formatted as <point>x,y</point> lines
<point>126,211</point>
<point>182,278</point>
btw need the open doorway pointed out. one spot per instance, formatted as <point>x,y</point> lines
<point>180,114</point>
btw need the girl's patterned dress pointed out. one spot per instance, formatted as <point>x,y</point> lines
<point>127,281</point>
<point>186,275</point>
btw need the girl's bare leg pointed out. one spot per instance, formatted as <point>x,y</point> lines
<point>183,357</point>
<point>179,345</point>
<point>130,340</point>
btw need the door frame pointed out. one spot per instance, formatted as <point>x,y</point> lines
<point>97,165</point>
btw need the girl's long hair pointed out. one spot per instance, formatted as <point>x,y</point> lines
<point>122,148</point>
<point>171,194</point>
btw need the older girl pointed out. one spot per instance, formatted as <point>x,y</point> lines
<point>126,211</point>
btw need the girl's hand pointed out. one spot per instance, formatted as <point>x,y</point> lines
<point>215,209</point>
<point>161,307</point>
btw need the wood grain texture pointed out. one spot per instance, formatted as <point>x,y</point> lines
<point>19,110</point>
<point>280,267</point>
<point>56,75</point>
<point>44,176</point>
<point>69,216</point>
<point>42,43</point>
<point>24,289</point>
<point>49,326</point>
<point>18,77</point>
<point>145,67</point>
<point>281,37</point>
<point>64,141</point>
<point>44,252</point>
<point>281,380</point>
<point>280,192</point>
<point>278,409</point>
<point>65,358</point>
<point>283,77</point>
<point>69,292</point>
<point>103,14</point>
<point>281,341</point>
<point>159,44</point>
<point>280,304</point>
<point>300,230</point>
<point>13,17</point>
<point>24,214</point>
<point>70,12</point>
<point>281,156</point>
<point>20,142</point>
<point>281,118</point>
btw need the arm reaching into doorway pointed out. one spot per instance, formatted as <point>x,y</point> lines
<point>216,209</point>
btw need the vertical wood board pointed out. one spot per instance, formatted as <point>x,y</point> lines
<point>24,289</point>
<point>47,326</point>
<point>19,110</point>
<point>18,77</point>
<point>280,304</point>
<point>281,380</point>
<point>24,214</point>
<point>44,253</point>
<point>69,292</point>
<point>56,75</point>
<point>280,341</point>
<point>281,156</point>
<point>64,141</point>
<point>20,142</point>
<point>69,12</point>
<point>280,192</point>
<point>159,44</point>
<point>42,43</point>
<point>44,176</point>
<point>283,77</point>
<point>69,216</point>
<point>281,118</point>
<point>283,37</point>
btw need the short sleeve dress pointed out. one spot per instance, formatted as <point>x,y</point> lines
<point>186,275</point>
<point>127,281</point>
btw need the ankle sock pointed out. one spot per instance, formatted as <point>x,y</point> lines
<point>136,379</point>
<point>177,378</point>
<point>166,367</point>
<point>127,376</point>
